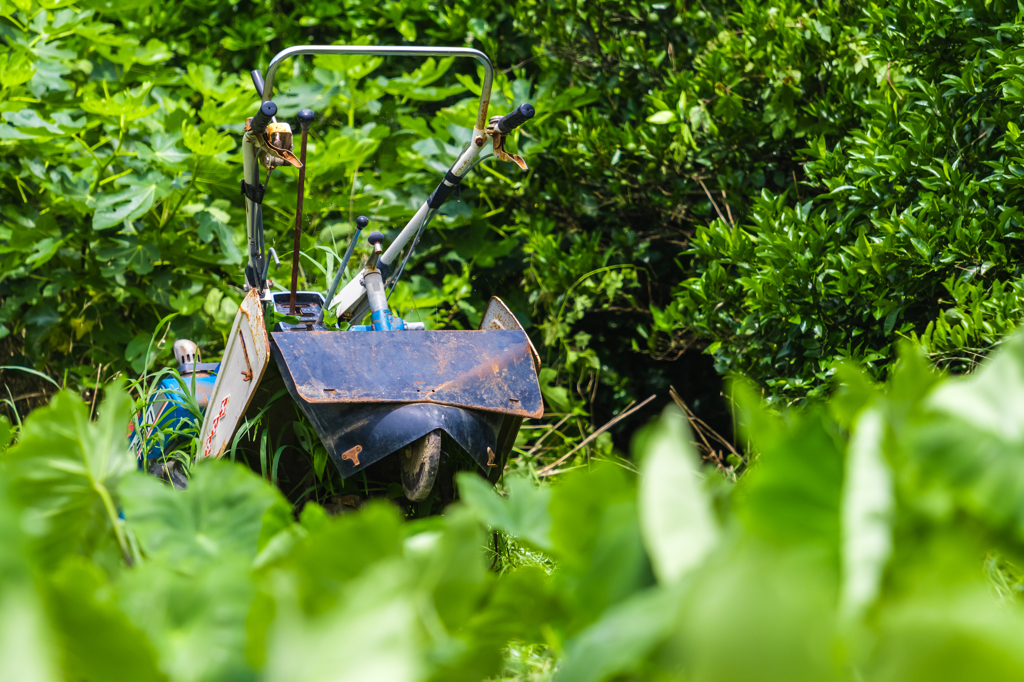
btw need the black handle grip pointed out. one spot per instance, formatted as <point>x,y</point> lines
<point>263,117</point>
<point>510,122</point>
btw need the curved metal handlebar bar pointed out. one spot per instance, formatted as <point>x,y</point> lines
<point>485,91</point>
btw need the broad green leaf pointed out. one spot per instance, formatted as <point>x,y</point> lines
<point>780,604</point>
<point>65,470</point>
<point>196,621</point>
<point>126,106</point>
<point>960,633</point>
<point>129,204</point>
<point>210,143</point>
<point>524,514</point>
<point>15,68</point>
<point>867,516</point>
<point>98,640</point>
<point>792,494</point>
<point>163,149</point>
<point>622,639</point>
<point>220,515</point>
<point>679,527</point>
<point>335,551</point>
<point>371,634</point>
<point>454,568</point>
<point>27,646</point>
<point>596,541</point>
<point>971,439</point>
<point>212,222</point>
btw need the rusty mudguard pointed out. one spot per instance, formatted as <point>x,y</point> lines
<point>368,394</point>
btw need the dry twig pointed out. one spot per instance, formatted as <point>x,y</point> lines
<point>549,469</point>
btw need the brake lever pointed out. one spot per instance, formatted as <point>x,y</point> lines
<point>499,127</point>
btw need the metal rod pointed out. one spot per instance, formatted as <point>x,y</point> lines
<point>305,118</point>
<point>360,224</point>
<point>392,51</point>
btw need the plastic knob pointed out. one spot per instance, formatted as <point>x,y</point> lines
<point>263,117</point>
<point>306,118</point>
<point>375,238</point>
<point>362,221</point>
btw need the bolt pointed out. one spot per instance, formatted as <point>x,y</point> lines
<point>479,141</point>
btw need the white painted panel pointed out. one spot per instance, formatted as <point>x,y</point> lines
<point>241,369</point>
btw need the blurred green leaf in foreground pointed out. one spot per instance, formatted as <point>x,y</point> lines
<point>878,537</point>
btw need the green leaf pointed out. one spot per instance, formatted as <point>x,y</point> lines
<point>129,204</point>
<point>662,117</point>
<point>597,541</point>
<point>792,495</point>
<point>971,439</point>
<point>195,621</point>
<point>621,640</point>
<point>27,647</point>
<point>15,68</point>
<point>210,143</point>
<point>99,641</point>
<point>867,516</point>
<point>335,551</point>
<point>65,471</point>
<point>163,149</point>
<point>219,516</point>
<point>372,634</point>
<point>678,525</point>
<point>213,222</point>
<point>524,514</point>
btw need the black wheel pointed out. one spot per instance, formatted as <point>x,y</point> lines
<point>169,470</point>
<point>420,460</point>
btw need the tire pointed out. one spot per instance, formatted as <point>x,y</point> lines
<point>420,460</point>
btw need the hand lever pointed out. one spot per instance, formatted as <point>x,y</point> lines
<point>375,239</point>
<point>361,222</point>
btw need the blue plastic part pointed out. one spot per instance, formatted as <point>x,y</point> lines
<point>380,321</point>
<point>166,410</point>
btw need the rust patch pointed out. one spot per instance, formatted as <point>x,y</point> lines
<point>247,372</point>
<point>490,457</point>
<point>352,454</point>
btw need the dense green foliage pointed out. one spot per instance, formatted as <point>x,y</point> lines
<point>119,179</point>
<point>874,539</point>
<point>892,129</point>
<point>782,184</point>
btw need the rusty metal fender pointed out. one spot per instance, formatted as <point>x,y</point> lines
<point>493,371</point>
<point>498,316</point>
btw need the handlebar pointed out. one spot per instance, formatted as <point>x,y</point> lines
<point>510,122</point>
<point>263,117</point>
<point>485,92</point>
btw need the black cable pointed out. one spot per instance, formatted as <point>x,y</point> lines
<point>401,268</point>
<point>426,221</point>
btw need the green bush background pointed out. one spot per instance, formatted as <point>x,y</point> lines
<point>777,184</point>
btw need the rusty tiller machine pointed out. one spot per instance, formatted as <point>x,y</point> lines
<point>389,387</point>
